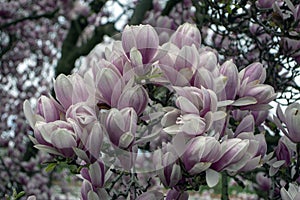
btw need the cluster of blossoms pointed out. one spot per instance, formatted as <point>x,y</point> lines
<point>172,104</point>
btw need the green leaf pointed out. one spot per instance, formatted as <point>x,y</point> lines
<point>18,196</point>
<point>50,167</point>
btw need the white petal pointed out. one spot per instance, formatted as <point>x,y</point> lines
<point>212,177</point>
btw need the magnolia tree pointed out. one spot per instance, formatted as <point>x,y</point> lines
<point>146,112</point>
<point>159,111</point>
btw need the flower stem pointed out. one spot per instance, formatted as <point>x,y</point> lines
<point>224,187</point>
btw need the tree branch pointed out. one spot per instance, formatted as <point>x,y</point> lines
<point>140,10</point>
<point>31,17</point>
<point>71,52</point>
<point>169,6</point>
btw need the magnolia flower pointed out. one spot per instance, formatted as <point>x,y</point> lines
<point>230,70</point>
<point>108,84</point>
<point>186,35</point>
<point>121,126</point>
<point>237,155</point>
<point>284,150</point>
<point>70,90</point>
<point>56,137</point>
<point>253,72</point>
<point>178,65</point>
<point>95,174</point>
<point>144,38</point>
<point>169,171</point>
<point>192,100</point>
<point>82,114</point>
<point>263,181</point>
<point>291,118</point>
<point>91,139</point>
<point>88,192</point>
<point>292,193</point>
<point>200,153</point>
<point>259,116</point>
<point>135,97</point>
<point>265,3</point>
<point>48,108</point>
<point>246,125</point>
<point>177,195</point>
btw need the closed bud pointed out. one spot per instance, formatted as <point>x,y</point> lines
<point>121,126</point>
<point>48,109</point>
<point>230,70</point>
<point>135,97</point>
<point>144,38</point>
<point>186,35</point>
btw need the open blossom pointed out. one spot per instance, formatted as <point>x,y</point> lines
<point>195,111</point>
<point>197,101</point>
<point>82,114</point>
<point>292,193</point>
<point>291,118</point>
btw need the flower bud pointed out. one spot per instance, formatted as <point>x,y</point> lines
<point>121,126</point>
<point>253,72</point>
<point>230,70</point>
<point>57,134</point>
<point>186,35</point>
<point>82,114</point>
<point>263,182</point>
<point>70,90</point>
<point>265,3</point>
<point>135,97</point>
<point>108,85</point>
<point>283,151</point>
<point>95,174</point>
<point>200,153</point>
<point>233,150</point>
<point>48,109</point>
<point>144,38</point>
<point>170,173</point>
<point>263,94</point>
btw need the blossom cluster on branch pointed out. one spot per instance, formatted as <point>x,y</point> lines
<point>172,104</point>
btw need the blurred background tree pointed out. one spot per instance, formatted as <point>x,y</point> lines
<point>40,39</point>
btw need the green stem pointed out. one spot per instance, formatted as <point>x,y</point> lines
<point>224,187</point>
